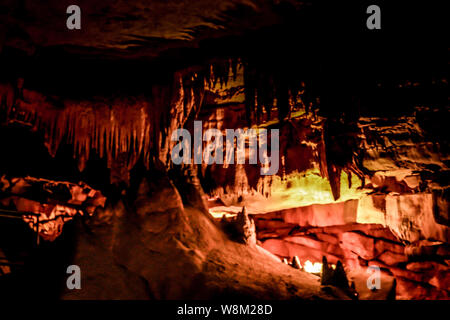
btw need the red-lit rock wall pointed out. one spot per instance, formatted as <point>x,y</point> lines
<point>396,219</point>
<point>421,269</point>
<point>400,223</point>
<point>46,205</point>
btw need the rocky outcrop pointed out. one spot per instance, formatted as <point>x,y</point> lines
<point>178,253</point>
<point>421,264</point>
<point>400,224</point>
<point>241,228</point>
<point>46,205</point>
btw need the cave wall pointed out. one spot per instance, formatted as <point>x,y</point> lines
<point>364,154</point>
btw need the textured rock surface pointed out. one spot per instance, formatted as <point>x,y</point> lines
<point>322,215</point>
<point>418,266</point>
<point>385,292</point>
<point>123,27</point>
<point>53,202</point>
<point>363,155</point>
<point>176,252</point>
<point>411,217</point>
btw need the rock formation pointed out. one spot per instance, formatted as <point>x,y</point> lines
<point>87,119</point>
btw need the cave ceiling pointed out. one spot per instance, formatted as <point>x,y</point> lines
<point>130,29</point>
<point>128,44</point>
<point>326,37</point>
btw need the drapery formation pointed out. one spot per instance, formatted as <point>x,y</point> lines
<point>138,128</point>
<point>122,130</point>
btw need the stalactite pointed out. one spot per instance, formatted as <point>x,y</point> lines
<point>221,71</point>
<point>250,91</point>
<point>334,177</point>
<point>282,94</point>
<point>234,64</point>
<point>141,126</point>
<point>138,127</point>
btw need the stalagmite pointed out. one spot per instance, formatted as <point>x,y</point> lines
<point>296,263</point>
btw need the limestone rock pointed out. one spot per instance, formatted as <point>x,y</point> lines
<point>360,244</point>
<point>411,217</point>
<point>422,248</point>
<point>322,215</point>
<point>441,280</point>
<point>296,263</point>
<point>383,245</point>
<point>360,277</point>
<point>276,246</point>
<point>179,254</point>
<point>426,266</point>
<point>410,290</point>
<point>327,238</point>
<point>443,250</point>
<point>240,228</point>
<point>391,258</point>
<point>246,227</point>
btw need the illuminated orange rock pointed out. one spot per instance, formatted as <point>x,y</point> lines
<point>322,215</point>
<point>426,265</point>
<point>314,255</point>
<point>441,280</point>
<point>262,235</point>
<point>276,246</point>
<point>424,248</point>
<point>391,258</point>
<point>443,250</point>
<point>282,232</point>
<point>56,202</point>
<point>310,242</point>
<point>360,276</point>
<point>363,228</point>
<point>327,238</point>
<point>383,234</point>
<point>290,249</point>
<point>199,259</point>
<point>422,277</point>
<point>411,217</point>
<point>382,245</point>
<point>306,241</point>
<point>362,245</point>
<point>410,290</point>
<point>262,223</point>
